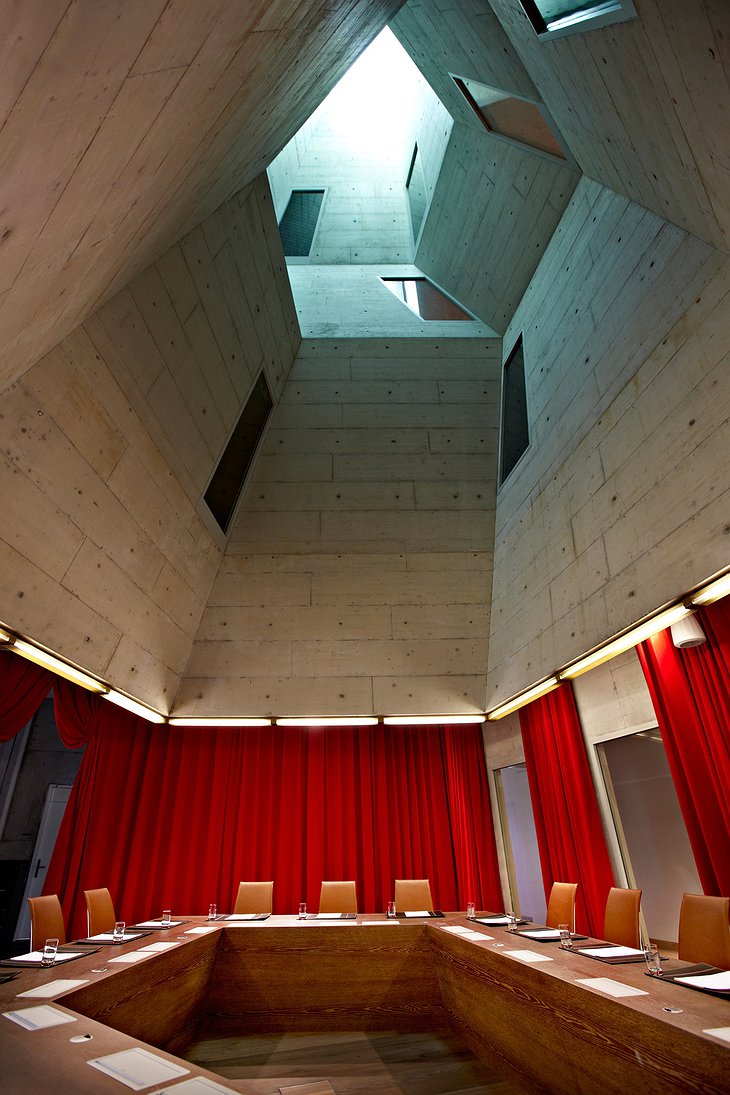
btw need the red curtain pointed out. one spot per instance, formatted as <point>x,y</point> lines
<point>176,817</point>
<point>690,691</point>
<point>23,688</point>
<point>570,836</point>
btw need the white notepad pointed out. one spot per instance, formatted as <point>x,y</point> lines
<point>53,988</point>
<point>611,952</point>
<point>329,916</point>
<point>611,988</point>
<point>109,937</point>
<point>158,924</point>
<point>138,1068</point>
<point>242,916</point>
<point>542,933</point>
<point>36,956</point>
<point>719,981</point>
<point>39,1017</point>
<point>419,912</point>
<point>529,956</point>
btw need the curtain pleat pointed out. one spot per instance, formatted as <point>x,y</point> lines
<point>570,835</point>
<point>23,687</point>
<point>690,692</point>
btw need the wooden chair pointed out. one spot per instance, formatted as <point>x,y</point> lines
<point>621,922</point>
<point>338,897</point>
<point>561,906</point>
<point>100,915</point>
<point>704,935</point>
<point>412,894</point>
<point>254,897</point>
<point>46,920</point>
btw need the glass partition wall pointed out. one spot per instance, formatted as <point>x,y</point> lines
<point>520,842</point>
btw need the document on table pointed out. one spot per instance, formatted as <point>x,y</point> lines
<point>37,956</point>
<point>418,912</point>
<point>529,956</point>
<point>44,1015</point>
<point>203,930</point>
<point>242,916</point>
<point>328,916</point>
<point>718,982</point>
<point>196,1085</point>
<point>542,934</point>
<point>611,952</point>
<point>155,947</point>
<point>468,933</point>
<point>138,1068</point>
<point>130,957</point>
<point>53,988</point>
<point>611,988</point>
<point>493,921</point>
<point>108,937</point>
<point>159,924</point>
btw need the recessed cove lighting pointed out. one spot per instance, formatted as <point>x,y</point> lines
<point>433,720</point>
<point>713,591</point>
<point>134,706</point>
<point>212,720</point>
<point>626,641</point>
<point>339,720</point>
<point>533,693</point>
<point>49,661</point>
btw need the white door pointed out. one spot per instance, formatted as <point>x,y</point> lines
<point>53,808</point>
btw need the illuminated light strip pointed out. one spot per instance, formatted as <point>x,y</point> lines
<point>525,697</point>
<point>307,720</point>
<point>714,591</point>
<point>626,642</point>
<point>432,720</point>
<point>60,668</point>
<point>5,637</point>
<point>209,720</point>
<point>134,706</point>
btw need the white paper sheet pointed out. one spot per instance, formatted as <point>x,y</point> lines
<point>154,947</point>
<point>493,921</point>
<point>196,1085</point>
<point>108,937</point>
<point>39,1017</point>
<point>203,930</point>
<point>138,1068</point>
<point>242,916</point>
<point>129,958</point>
<point>36,956</point>
<point>457,929</point>
<point>529,956</point>
<point>158,924</point>
<point>719,1032</point>
<point>53,988</point>
<point>719,981</point>
<point>328,916</point>
<point>611,988</point>
<point>542,933</point>
<point>611,952</point>
<point>419,912</point>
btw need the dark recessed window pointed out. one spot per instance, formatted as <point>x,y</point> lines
<point>425,299</point>
<point>515,431</point>
<point>226,485</point>
<point>298,225</point>
<point>509,116</point>
<point>556,18</point>
<point>416,190</point>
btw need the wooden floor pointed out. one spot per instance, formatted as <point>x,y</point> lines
<point>354,1063</point>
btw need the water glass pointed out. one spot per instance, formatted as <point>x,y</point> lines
<point>653,961</point>
<point>511,921</point>
<point>390,911</point>
<point>566,939</point>
<point>212,911</point>
<point>118,934</point>
<point>302,910</point>
<point>471,911</point>
<point>48,956</point>
<point>166,916</point>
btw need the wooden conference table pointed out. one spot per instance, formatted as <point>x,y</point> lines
<point>533,1023</point>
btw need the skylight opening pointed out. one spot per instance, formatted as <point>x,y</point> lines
<point>423,298</point>
<point>556,18</point>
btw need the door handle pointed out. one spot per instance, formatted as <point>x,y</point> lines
<point>37,868</point>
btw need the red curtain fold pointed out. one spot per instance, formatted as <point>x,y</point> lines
<point>175,818</point>
<point>570,835</point>
<point>23,688</point>
<point>690,692</point>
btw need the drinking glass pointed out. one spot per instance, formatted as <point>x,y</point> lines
<point>118,934</point>
<point>566,939</point>
<point>302,910</point>
<point>212,911</point>
<point>511,921</point>
<point>166,916</point>
<point>653,961</point>
<point>471,911</point>
<point>48,956</point>
<point>390,911</point>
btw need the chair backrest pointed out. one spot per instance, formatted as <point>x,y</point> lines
<point>704,935</point>
<point>254,897</point>
<point>621,922</point>
<point>412,894</point>
<point>561,906</point>
<point>338,897</point>
<point>46,920</point>
<point>100,916</point>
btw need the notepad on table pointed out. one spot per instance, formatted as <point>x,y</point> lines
<point>109,937</point>
<point>130,957</point>
<point>543,935</point>
<point>138,1068</point>
<point>417,912</point>
<point>155,947</point>
<point>242,916</point>
<point>159,924</point>
<point>33,957</point>
<point>611,952</point>
<point>202,930</point>
<point>717,982</point>
<point>53,988</point>
<point>611,988</point>
<point>529,956</point>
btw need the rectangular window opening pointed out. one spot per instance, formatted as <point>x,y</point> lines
<point>299,223</point>
<point>416,190</point>
<point>515,434</point>
<point>229,477</point>
<point>557,18</point>
<point>423,298</point>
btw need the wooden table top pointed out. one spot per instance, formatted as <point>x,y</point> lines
<point>401,972</point>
